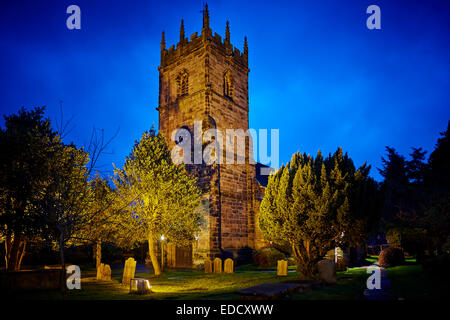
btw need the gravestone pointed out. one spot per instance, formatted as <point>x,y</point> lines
<point>282,268</point>
<point>327,271</point>
<point>228,266</point>
<point>217,265</point>
<point>128,271</point>
<point>139,286</point>
<point>104,272</point>
<point>101,271</point>
<point>208,266</point>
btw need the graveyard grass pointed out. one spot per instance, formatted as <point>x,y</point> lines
<point>179,285</point>
<point>193,285</point>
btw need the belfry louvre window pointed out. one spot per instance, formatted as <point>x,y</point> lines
<point>228,84</point>
<point>183,83</point>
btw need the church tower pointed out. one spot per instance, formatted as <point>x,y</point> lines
<point>205,78</point>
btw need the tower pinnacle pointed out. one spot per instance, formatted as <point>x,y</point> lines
<point>227,32</point>
<point>163,42</point>
<point>206,17</point>
<point>245,46</point>
<point>182,31</point>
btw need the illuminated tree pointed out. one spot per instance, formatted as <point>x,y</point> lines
<point>101,217</point>
<point>312,205</point>
<point>26,143</point>
<point>44,184</point>
<point>163,198</point>
<point>67,195</point>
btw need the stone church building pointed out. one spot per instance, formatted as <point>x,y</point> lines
<point>205,78</point>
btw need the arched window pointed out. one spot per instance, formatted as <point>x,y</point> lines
<point>228,84</point>
<point>183,83</point>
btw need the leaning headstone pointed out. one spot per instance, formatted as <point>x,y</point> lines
<point>217,265</point>
<point>106,276</point>
<point>208,266</point>
<point>327,271</point>
<point>128,271</point>
<point>282,268</point>
<point>104,272</point>
<point>228,266</point>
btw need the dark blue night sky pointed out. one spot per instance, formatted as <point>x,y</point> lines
<point>317,73</point>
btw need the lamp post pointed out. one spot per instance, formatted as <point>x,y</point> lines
<point>162,252</point>
<point>196,241</point>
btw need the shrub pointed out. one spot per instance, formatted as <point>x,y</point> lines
<point>391,257</point>
<point>268,257</point>
<point>410,240</point>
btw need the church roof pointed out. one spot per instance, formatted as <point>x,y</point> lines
<point>261,178</point>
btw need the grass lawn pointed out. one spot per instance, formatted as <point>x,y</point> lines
<point>408,282</point>
<point>182,285</point>
<point>372,259</point>
<point>350,286</point>
<point>185,285</point>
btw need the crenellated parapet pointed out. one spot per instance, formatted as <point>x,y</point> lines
<point>207,38</point>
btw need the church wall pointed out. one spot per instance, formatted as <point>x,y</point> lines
<point>230,192</point>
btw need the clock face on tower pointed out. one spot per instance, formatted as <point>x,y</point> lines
<point>182,136</point>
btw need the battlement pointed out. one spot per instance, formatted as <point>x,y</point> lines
<point>188,45</point>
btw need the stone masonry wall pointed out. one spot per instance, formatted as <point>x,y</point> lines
<point>230,192</point>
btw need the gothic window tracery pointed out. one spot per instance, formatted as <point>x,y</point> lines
<point>183,84</point>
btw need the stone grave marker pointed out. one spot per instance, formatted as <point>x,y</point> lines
<point>217,265</point>
<point>128,271</point>
<point>208,266</point>
<point>282,268</point>
<point>140,286</point>
<point>104,272</point>
<point>327,271</point>
<point>228,266</point>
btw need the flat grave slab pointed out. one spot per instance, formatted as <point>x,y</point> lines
<point>276,290</point>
